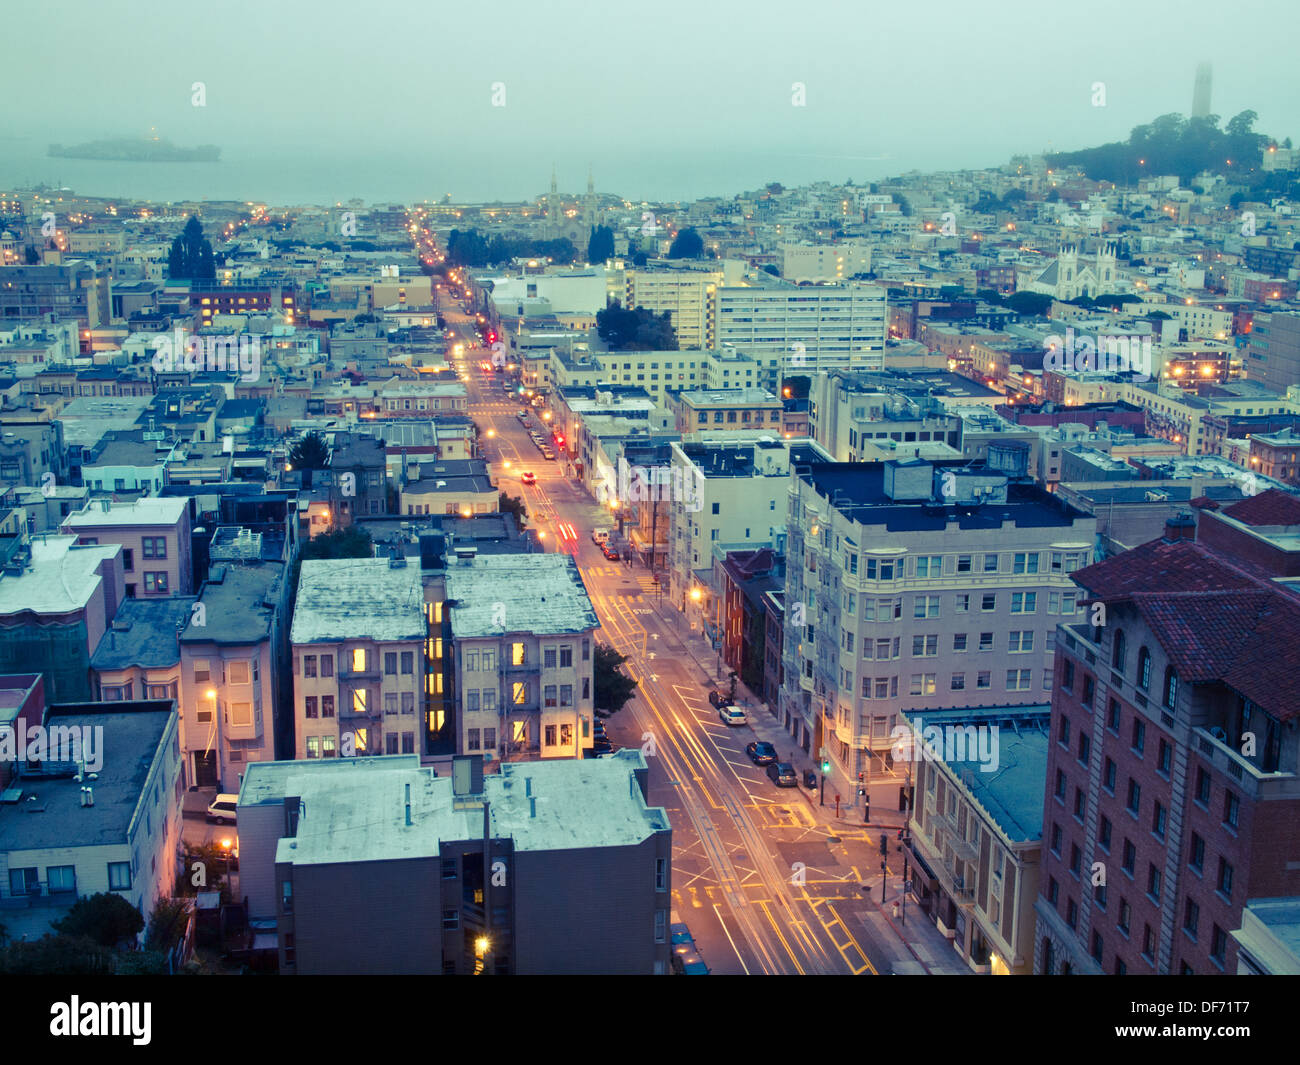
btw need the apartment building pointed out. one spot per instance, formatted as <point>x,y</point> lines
<point>705,410</point>
<point>685,294</point>
<point>721,497</point>
<point>231,651</point>
<point>155,536</point>
<point>1172,794</point>
<point>32,454</point>
<point>976,827</point>
<point>547,868</point>
<point>74,289</point>
<point>825,262</point>
<point>139,657</point>
<point>523,629</point>
<point>791,329</point>
<point>912,586</point>
<point>359,668</point>
<point>57,599</point>
<point>78,836</point>
<point>852,415</point>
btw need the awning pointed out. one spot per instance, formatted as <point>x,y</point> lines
<point>929,880</point>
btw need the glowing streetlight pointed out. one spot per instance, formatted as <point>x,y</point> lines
<point>696,595</point>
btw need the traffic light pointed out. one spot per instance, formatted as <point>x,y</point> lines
<point>860,777</point>
<point>826,765</point>
<point>884,845</point>
<point>492,338</point>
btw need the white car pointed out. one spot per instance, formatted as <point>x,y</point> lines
<point>222,808</point>
<point>599,537</point>
<point>732,715</point>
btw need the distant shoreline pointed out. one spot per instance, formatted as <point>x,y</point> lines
<point>136,151</point>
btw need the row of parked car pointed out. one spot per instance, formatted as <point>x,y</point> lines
<point>781,774</point>
<point>686,958</point>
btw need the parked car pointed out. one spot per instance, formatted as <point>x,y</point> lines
<point>522,415</point>
<point>222,808</point>
<point>599,536</point>
<point>682,940</point>
<point>761,753</point>
<point>527,477</point>
<point>689,964</point>
<point>718,700</point>
<point>609,552</point>
<point>782,775</point>
<point>732,715</point>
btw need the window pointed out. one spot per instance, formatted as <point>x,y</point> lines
<point>986,641</point>
<point>661,925</point>
<point>1053,890</point>
<point>1171,687</point>
<point>984,679</point>
<point>1103,833</point>
<point>1125,915</point>
<point>566,656</point>
<point>990,563</point>
<point>958,682</point>
<point>1118,651</point>
<point>1130,857</point>
<point>390,663</point>
<point>1191,918</point>
<point>1096,946</point>
<point>1231,808</point>
<point>1218,944</point>
<point>153,546</point>
<point>519,695</point>
<point>1139,735</point>
<point>1108,776</point>
<point>119,876</point>
<point>1072,913</point>
<point>327,745</point>
<point>1153,882</point>
<point>1018,680</point>
<point>1024,602</point>
<point>925,646</point>
<point>959,642</point>
<point>390,703</point>
<point>1076,858</point>
<point>155,582</point>
<point>471,739</point>
<point>550,735</point>
<point>1148,942</point>
<point>989,602</point>
<point>961,603</point>
<point>1203,787</point>
<point>963,563</point>
<point>1196,856</point>
<point>566,695</point>
<point>310,702</point>
<point>926,606</point>
<point>1025,563</point>
<point>308,666</point>
<point>327,665</point>
<point>327,709</point>
<point>929,565</point>
<point>1078,805</point>
<point>1060,785</point>
<point>128,560</point>
<point>1021,641</point>
<point>1144,669</point>
<point>471,699</point>
<point>548,658</point>
<point>1158,821</point>
<point>1134,803</point>
<point>1225,878</point>
<point>1112,721</point>
<point>518,655</point>
<point>313,746</point>
<point>922,684</point>
<point>450,920</point>
<point>548,695</point>
<point>1166,754</point>
<point>61,878</point>
<point>1067,675</point>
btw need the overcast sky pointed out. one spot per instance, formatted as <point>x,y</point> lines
<point>680,97</point>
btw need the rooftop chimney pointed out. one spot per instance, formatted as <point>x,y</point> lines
<point>1180,526</point>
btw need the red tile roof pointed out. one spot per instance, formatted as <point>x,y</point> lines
<point>1216,619</point>
<point>1273,507</point>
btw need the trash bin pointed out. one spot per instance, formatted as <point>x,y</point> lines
<point>810,778</point>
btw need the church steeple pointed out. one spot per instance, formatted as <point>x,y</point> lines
<point>591,184</point>
<point>554,187</point>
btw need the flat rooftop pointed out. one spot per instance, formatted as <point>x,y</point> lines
<point>540,593</point>
<point>356,807</point>
<point>144,634</point>
<point>61,579</point>
<point>148,510</point>
<point>358,598</point>
<point>128,746</point>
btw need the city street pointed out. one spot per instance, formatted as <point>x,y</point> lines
<point>767,880</point>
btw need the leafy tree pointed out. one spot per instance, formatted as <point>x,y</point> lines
<point>904,207</point>
<point>613,687</point>
<point>986,204</point>
<point>466,249</point>
<point>688,244</point>
<point>105,919</point>
<point>190,256</point>
<point>771,269</point>
<point>1029,303</point>
<point>799,386</point>
<point>1013,196</point>
<point>1054,196</point>
<point>352,542</point>
<point>310,453</point>
<point>56,956</point>
<point>514,505</point>
<point>635,330</point>
<point>31,255</point>
<point>639,258</point>
<point>600,245</point>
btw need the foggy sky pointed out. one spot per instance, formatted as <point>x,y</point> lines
<point>664,99</point>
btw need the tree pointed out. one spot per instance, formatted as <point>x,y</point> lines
<point>686,245</point>
<point>514,505</point>
<point>613,687</point>
<point>600,245</point>
<point>190,256</point>
<point>1029,302</point>
<point>771,269</point>
<point>310,453</point>
<point>105,919</point>
<point>352,542</point>
<point>32,255</point>
<point>635,330</point>
<point>1054,195</point>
